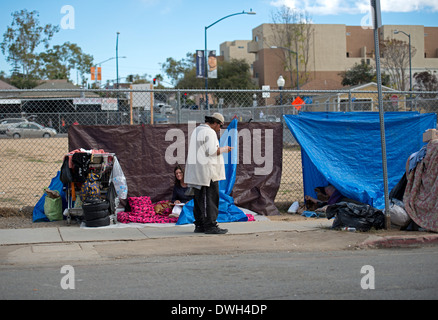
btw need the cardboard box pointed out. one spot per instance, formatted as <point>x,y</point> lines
<point>430,135</point>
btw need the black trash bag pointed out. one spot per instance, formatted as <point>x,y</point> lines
<point>399,190</point>
<point>81,162</point>
<point>360,216</point>
<point>66,176</point>
<point>111,198</point>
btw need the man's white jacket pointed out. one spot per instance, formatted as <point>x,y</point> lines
<point>203,163</point>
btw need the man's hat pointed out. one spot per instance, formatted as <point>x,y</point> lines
<point>219,117</point>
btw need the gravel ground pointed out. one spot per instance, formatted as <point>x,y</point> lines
<point>20,219</point>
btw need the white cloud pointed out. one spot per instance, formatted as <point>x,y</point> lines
<point>333,7</point>
<point>409,6</point>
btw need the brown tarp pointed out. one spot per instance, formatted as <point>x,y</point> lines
<point>141,151</point>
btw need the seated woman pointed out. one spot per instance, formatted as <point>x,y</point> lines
<point>179,191</point>
<point>180,188</point>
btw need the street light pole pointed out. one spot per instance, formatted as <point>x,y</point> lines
<point>280,84</point>
<point>117,59</point>
<point>117,67</point>
<point>410,65</point>
<point>205,51</point>
<point>296,61</point>
<point>100,65</point>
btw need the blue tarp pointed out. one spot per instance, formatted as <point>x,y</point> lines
<point>344,149</point>
<point>228,211</point>
<point>38,211</point>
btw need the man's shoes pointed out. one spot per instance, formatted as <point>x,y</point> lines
<point>215,230</point>
<point>199,229</point>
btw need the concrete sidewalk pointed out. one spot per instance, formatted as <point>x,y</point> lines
<point>135,232</point>
<point>120,232</point>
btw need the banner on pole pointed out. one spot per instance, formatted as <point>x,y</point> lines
<point>212,64</point>
<point>200,62</point>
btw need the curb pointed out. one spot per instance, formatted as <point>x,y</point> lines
<point>399,241</point>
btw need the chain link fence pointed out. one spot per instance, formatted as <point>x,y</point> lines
<point>32,154</point>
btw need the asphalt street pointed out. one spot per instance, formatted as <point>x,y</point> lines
<point>408,273</point>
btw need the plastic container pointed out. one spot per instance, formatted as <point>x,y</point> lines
<point>294,207</point>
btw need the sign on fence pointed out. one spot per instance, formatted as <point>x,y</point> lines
<point>143,100</point>
<point>109,104</point>
<point>298,103</point>
<point>266,93</point>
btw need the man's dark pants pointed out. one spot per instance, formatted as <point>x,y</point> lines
<point>206,206</point>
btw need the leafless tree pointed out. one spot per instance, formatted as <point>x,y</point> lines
<point>395,61</point>
<point>292,29</point>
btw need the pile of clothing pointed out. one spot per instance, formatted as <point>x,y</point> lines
<point>414,200</point>
<point>420,196</point>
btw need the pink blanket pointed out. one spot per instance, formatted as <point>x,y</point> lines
<point>142,211</point>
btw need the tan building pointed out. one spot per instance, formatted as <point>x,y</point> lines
<point>237,49</point>
<point>334,48</point>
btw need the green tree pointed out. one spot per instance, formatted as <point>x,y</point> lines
<point>176,70</point>
<point>428,82</point>
<point>234,74</point>
<point>21,81</point>
<point>425,81</point>
<point>58,62</point>
<point>21,40</point>
<point>137,79</point>
<point>20,43</point>
<point>360,74</point>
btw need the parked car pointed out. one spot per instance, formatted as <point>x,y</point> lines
<point>272,119</point>
<point>29,130</point>
<point>164,109</point>
<point>5,123</point>
<point>160,119</point>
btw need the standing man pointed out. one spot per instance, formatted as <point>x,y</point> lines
<point>204,168</point>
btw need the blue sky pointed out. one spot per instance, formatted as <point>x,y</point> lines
<point>153,30</point>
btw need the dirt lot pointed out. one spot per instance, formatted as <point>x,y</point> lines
<point>27,166</point>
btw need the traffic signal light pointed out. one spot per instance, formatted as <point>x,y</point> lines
<point>155,80</point>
